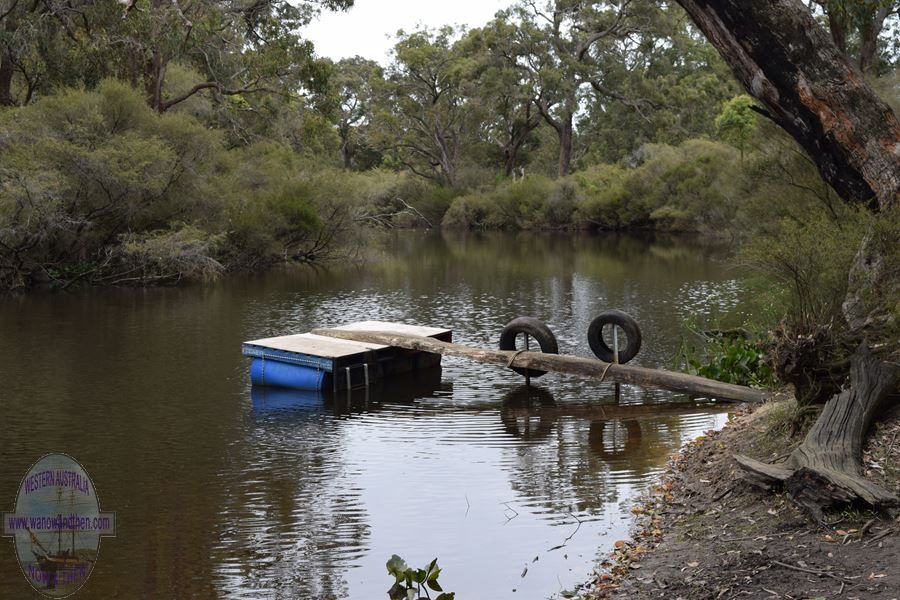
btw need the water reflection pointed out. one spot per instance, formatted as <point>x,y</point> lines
<point>577,457</point>
<point>525,412</point>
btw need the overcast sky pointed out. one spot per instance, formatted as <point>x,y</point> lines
<point>367,29</point>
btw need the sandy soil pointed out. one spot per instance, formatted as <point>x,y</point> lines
<point>705,533</point>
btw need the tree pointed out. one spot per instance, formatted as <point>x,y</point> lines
<point>237,47</point>
<point>424,118</point>
<point>561,46</point>
<point>855,26</point>
<point>498,86</point>
<point>792,66</point>
<point>353,82</point>
<point>737,121</point>
<point>670,85</point>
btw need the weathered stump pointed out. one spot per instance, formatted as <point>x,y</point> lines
<point>826,469</point>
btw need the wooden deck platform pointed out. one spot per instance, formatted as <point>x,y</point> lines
<point>348,363</point>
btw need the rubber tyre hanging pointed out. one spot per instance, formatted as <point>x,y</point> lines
<point>534,328</point>
<point>627,324</point>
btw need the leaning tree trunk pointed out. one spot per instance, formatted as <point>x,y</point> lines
<point>791,65</point>
<point>788,62</point>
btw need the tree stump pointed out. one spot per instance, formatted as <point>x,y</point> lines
<point>826,469</point>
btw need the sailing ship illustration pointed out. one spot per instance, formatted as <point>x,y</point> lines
<point>66,567</point>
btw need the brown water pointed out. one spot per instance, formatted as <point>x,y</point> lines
<point>223,493</point>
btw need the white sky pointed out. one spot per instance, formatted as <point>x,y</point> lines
<point>368,28</point>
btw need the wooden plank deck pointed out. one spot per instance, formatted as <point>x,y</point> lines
<point>403,328</point>
<point>349,362</point>
<point>315,345</point>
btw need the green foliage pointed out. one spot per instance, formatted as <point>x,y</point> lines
<point>422,120</point>
<point>533,202</point>
<point>96,187</point>
<point>732,359</point>
<point>737,121</point>
<point>808,262</point>
<point>691,187</point>
<point>674,96</point>
<point>411,584</point>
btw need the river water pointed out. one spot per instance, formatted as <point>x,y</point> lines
<point>224,493</point>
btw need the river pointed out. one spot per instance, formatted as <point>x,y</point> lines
<point>224,493</point>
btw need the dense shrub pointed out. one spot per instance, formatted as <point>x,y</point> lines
<point>808,261</point>
<point>533,202</point>
<point>96,187</point>
<point>691,187</point>
<point>82,169</point>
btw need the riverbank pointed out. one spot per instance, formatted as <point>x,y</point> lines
<point>705,533</point>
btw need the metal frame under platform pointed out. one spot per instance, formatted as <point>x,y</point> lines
<point>360,363</point>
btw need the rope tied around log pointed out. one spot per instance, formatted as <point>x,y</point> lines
<point>514,357</point>
<point>603,375</point>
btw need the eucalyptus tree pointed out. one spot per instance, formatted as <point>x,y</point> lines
<point>353,83</point>
<point>425,121</point>
<point>663,84</point>
<point>510,115</point>
<point>857,28</point>
<point>236,47</point>
<point>806,85</point>
<point>562,46</point>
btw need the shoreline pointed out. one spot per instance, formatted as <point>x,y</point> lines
<point>703,532</point>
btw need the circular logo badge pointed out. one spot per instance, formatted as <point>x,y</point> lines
<point>57,526</point>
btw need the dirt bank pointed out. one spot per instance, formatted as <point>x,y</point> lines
<point>704,533</point>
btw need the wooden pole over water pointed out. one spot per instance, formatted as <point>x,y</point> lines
<point>572,365</point>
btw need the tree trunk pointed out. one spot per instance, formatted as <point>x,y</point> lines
<point>511,153</point>
<point>510,157</point>
<point>518,138</point>
<point>7,67</point>
<point>565,133</point>
<point>868,33</point>
<point>154,77</point>
<point>837,25</point>
<point>788,62</point>
<point>347,155</point>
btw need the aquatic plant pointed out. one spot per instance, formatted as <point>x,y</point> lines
<point>411,584</point>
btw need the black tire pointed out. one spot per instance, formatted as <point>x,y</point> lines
<point>534,328</point>
<point>618,318</point>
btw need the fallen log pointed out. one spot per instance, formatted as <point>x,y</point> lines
<point>572,365</point>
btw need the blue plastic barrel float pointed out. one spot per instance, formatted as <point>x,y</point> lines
<point>281,374</point>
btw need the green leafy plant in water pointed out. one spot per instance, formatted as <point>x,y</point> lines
<point>734,360</point>
<point>411,584</point>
